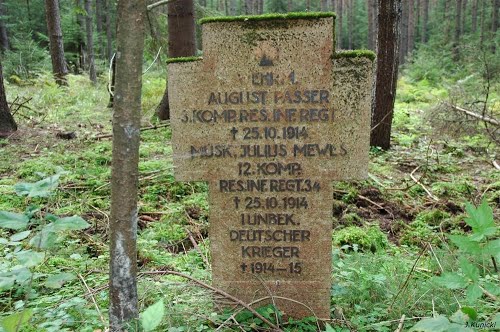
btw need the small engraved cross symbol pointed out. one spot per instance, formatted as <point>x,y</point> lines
<point>234,131</point>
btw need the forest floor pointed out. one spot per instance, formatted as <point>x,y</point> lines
<point>393,259</point>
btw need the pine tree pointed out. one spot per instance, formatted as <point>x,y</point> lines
<point>387,72</point>
<point>59,67</point>
<point>181,41</point>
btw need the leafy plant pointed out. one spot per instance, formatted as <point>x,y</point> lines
<point>474,249</point>
<point>34,235</point>
<point>151,317</point>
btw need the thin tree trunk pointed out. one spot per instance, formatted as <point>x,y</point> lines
<point>371,27</point>
<point>53,18</point>
<point>28,9</point>
<point>389,15</point>
<point>474,16</point>
<point>403,48</point>
<point>308,5</point>
<point>463,25</point>
<point>324,5</point>
<point>425,21</point>
<point>99,18</point>
<point>411,25</point>
<point>7,123</point>
<point>418,21</point>
<point>232,7</point>
<point>290,6</point>
<point>82,52</point>
<point>109,35</point>
<point>248,7</point>
<point>447,18</point>
<point>4,38</point>
<point>123,299</point>
<point>458,22</point>
<point>494,23</point>
<point>90,41</point>
<point>181,41</point>
<point>339,24</point>
<point>350,32</point>
<point>483,22</point>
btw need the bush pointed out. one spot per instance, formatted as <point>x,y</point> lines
<point>26,59</point>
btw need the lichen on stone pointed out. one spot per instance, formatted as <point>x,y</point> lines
<point>268,17</point>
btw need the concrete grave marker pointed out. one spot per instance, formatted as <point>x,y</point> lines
<point>269,117</point>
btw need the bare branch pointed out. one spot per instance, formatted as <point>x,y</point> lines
<point>484,118</point>
<point>159,3</point>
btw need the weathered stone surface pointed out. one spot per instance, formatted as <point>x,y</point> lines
<point>269,119</point>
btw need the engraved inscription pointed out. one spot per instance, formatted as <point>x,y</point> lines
<point>269,125</point>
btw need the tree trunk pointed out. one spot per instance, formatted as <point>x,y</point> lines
<point>308,5</point>
<point>373,23</point>
<point>403,49</point>
<point>181,41</point>
<point>411,25</point>
<point>463,24</point>
<point>290,6</point>
<point>109,35</point>
<point>418,20</point>
<point>7,123</point>
<point>99,18</point>
<point>371,17</point>
<point>483,22</point>
<point>28,9</point>
<point>494,23</point>
<point>90,41</point>
<point>232,7</point>
<point>350,32</point>
<point>59,67</point>
<point>447,18</point>
<point>338,32</point>
<point>458,22</point>
<point>324,5</point>
<point>474,16</point>
<point>82,52</point>
<point>249,6</point>
<point>389,15</point>
<point>123,300</point>
<point>425,21</point>
<point>4,38</point>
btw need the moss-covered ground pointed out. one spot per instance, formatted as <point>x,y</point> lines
<point>390,230</point>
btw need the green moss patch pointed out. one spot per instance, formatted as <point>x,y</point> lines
<point>184,59</point>
<point>268,17</point>
<point>355,54</point>
<point>364,238</point>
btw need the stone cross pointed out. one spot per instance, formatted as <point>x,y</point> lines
<point>269,117</point>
